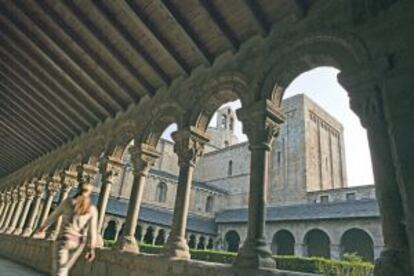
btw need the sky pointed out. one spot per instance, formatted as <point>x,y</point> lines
<point>321,85</point>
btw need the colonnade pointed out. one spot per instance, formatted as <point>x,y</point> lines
<point>20,206</point>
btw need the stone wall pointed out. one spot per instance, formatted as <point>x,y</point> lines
<point>343,194</point>
<point>36,254</point>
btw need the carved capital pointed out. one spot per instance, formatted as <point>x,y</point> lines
<point>189,145</point>
<point>369,108</point>
<point>30,190</point>
<point>15,195</point>
<point>53,186</point>
<point>8,196</point>
<point>67,180</point>
<point>2,197</point>
<point>86,174</point>
<point>110,168</point>
<point>40,187</point>
<point>143,157</point>
<point>261,123</point>
<point>22,193</point>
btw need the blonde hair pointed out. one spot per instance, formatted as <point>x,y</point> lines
<point>82,202</point>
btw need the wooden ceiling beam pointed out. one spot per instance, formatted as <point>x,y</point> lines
<point>220,23</point>
<point>83,25</point>
<point>189,35</point>
<point>258,17</point>
<point>27,96</point>
<point>44,91</point>
<point>27,130</point>
<point>21,79</point>
<point>27,145</point>
<point>20,110</point>
<point>133,14</point>
<point>122,35</point>
<point>66,70</point>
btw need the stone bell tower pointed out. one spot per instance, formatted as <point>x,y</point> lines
<point>223,134</point>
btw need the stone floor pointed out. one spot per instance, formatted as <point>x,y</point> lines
<point>9,268</point>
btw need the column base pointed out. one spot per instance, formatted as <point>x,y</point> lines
<point>127,243</point>
<point>100,241</point>
<point>18,232</point>
<point>27,232</point>
<point>9,231</point>
<point>255,254</point>
<point>177,249</point>
<point>393,262</point>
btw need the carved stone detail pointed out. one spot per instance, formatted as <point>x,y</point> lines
<point>189,145</point>
<point>143,157</point>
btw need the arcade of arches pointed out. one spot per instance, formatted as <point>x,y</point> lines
<point>75,100</point>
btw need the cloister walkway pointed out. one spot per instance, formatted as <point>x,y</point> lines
<point>9,268</point>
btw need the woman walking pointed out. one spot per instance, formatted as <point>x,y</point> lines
<point>79,226</point>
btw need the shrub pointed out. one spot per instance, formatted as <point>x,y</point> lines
<point>351,266</point>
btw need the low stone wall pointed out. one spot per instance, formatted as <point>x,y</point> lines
<point>36,254</point>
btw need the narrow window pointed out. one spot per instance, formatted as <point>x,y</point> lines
<point>230,168</point>
<point>224,121</point>
<point>161,192</point>
<point>324,199</point>
<point>279,155</point>
<point>350,196</point>
<point>209,204</point>
<point>231,123</point>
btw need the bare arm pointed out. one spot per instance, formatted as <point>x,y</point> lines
<point>55,215</point>
<point>93,228</point>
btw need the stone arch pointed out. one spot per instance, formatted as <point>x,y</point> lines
<point>160,239</point>
<point>123,135</point>
<point>161,192</point>
<point>214,93</point>
<point>149,235</point>
<point>283,243</point>
<point>210,244</point>
<point>358,241</point>
<point>192,241</point>
<point>161,117</point>
<point>317,243</point>
<point>345,52</point>
<point>110,231</point>
<point>232,239</point>
<point>201,245</point>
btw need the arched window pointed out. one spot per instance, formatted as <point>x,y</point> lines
<point>232,239</point>
<point>230,168</point>
<point>209,204</point>
<point>317,244</point>
<point>224,121</point>
<point>231,125</point>
<point>161,192</point>
<point>357,241</point>
<point>283,243</point>
<point>110,231</point>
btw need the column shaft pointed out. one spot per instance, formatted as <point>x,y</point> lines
<point>23,217</point>
<point>40,185</point>
<point>16,215</point>
<point>9,216</point>
<point>5,212</point>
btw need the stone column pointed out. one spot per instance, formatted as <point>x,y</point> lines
<point>39,189</point>
<point>109,168</point>
<point>52,188</point>
<point>6,208</point>
<point>67,181</point>
<point>143,158</point>
<point>14,200</point>
<point>30,191</point>
<point>335,251</point>
<point>118,227</point>
<point>398,95</point>
<point>367,102</point>
<point>300,250</point>
<point>155,234</point>
<point>19,208</point>
<point>189,145</point>
<point>261,124</point>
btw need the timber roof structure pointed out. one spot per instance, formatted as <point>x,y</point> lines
<point>66,66</point>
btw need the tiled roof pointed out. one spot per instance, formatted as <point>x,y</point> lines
<point>160,216</point>
<point>314,211</point>
<point>195,183</point>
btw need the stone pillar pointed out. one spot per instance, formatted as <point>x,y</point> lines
<point>398,91</point>
<point>52,188</point>
<point>261,124</point>
<point>155,234</point>
<point>30,191</point>
<point>300,250</point>
<point>109,169</point>
<point>143,158</point>
<point>118,227</point>
<point>367,102</point>
<point>19,208</point>
<point>14,200</point>
<point>67,181</point>
<point>335,251</point>
<point>189,145</point>
<point>39,189</point>
<point>7,206</point>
